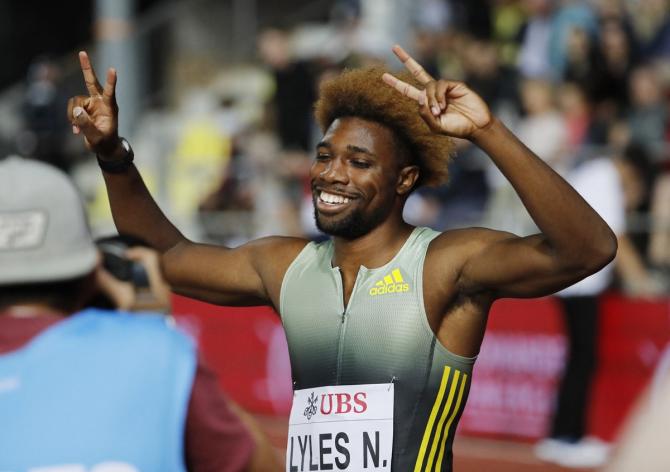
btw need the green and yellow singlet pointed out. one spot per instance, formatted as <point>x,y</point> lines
<point>382,336</point>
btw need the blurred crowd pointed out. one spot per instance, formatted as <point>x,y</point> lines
<point>576,80</point>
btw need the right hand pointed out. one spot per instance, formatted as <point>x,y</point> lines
<point>96,116</point>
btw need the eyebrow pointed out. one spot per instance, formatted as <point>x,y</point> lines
<point>361,150</point>
<point>350,148</point>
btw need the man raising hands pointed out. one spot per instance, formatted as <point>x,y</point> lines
<point>382,310</point>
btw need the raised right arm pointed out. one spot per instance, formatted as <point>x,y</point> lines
<point>248,275</point>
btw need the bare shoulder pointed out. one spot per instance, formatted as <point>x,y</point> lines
<point>466,241</point>
<point>450,251</point>
<point>276,250</point>
<point>271,256</point>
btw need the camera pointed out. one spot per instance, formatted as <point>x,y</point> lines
<point>113,251</point>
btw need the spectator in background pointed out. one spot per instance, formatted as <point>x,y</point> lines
<point>533,61</point>
<point>579,58</point>
<point>45,126</point>
<point>612,187</point>
<point>543,128</point>
<point>543,131</point>
<point>569,16</point>
<point>647,119</point>
<point>614,60</point>
<point>484,73</point>
<point>93,387</point>
<point>508,18</point>
<point>576,112</point>
<point>294,91</point>
<point>636,175</point>
<point>294,97</point>
<point>651,22</point>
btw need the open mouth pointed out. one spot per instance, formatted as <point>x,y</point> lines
<point>329,202</point>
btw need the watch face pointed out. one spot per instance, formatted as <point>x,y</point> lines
<point>129,155</point>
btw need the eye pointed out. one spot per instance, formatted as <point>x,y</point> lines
<point>322,156</point>
<point>360,164</point>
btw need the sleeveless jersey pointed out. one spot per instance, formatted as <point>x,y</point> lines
<point>382,336</point>
<point>99,391</point>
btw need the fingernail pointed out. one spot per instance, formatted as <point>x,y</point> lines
<point>77,111</point>
<point>422,100</point>
<point>436,110</point>
<point>443,106</point>
<point>75,130</point>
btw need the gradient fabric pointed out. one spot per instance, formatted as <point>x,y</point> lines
<point>382,336</point>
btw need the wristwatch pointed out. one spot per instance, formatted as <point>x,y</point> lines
<point>118,164</point>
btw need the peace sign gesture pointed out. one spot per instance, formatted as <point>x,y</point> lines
<point>447,107</point>
<point>96,115</point>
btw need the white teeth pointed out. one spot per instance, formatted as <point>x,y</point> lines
<point>333,199</point>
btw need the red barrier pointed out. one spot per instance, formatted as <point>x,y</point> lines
<point>517,370</point>
<point>515,376</point>
<point>633,336</point>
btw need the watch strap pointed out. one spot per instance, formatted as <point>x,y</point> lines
<point>118,166</point>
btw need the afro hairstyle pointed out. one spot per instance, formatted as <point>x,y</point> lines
<point>362,93</point>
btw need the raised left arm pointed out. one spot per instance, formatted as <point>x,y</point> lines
<point>574,241</point>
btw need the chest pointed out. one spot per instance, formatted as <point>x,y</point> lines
<point>377,330</point>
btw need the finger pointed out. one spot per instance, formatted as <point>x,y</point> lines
<point>431,97</point>
<point>81,101</point>
<point>414,67</point>
<point>441,92</point>
<point>404,88</point>
<point>109,92</point>
<point>139,254</point>
<point>430,119</point>
<point>83,121</point>
<point>92,84</point>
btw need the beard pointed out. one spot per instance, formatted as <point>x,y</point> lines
<point>353,225</point>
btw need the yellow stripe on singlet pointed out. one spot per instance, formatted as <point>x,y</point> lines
<point>431,419</point>
<point>440,424</point>
<point>451,420</point>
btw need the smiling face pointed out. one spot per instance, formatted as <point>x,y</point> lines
<point>357,178</point>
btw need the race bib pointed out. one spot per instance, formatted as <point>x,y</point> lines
<point>345,427</point>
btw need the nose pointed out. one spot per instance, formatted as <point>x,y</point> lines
<point>335,172</point>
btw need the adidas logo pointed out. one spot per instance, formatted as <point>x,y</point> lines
<point>392,283</point>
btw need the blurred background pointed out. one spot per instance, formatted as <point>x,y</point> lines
<point>216,98</point>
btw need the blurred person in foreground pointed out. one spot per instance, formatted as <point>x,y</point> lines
<point>92,388</point>
<point>643,444</point>
<point>383,320</point>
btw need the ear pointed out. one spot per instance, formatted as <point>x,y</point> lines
<point>407,177</point>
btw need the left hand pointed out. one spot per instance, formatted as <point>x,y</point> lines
<point>447,107</point>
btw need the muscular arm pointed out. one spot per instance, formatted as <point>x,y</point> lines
<point>248,275</point>
<point>574,241</point>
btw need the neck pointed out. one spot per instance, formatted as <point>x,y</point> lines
<point>373,249</point>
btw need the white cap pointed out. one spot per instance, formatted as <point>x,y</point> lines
<point>44,234</point>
